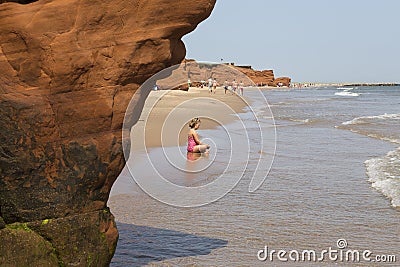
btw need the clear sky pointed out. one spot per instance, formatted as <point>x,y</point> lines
<point>307,40</point>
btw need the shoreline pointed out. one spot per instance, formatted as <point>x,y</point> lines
<point>167,101</point>
<point>148,135</point>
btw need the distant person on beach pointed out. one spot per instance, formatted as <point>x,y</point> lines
<point>189,83</point>
<point>226,85</point>
<point>210,83</point>
<point>194,143</point>
<point>234,85</point>
<point>241,85</point>
<point>215,84</point>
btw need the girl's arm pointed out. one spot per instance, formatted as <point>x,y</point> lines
<point>196,138</point>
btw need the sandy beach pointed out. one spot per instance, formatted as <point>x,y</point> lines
<point>161,103</point>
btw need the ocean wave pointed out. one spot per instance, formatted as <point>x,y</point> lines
<point>346,93</point>
<point>381,136</point>
<point>300,120</point>
<point>367,119</point>
<point>384,175</point>
<point>383,127</point>
<point>384,138</point>
<point>280,103</point>
<point>345,88</point>
<point>295,121</point>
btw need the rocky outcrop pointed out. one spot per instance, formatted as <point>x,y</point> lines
<point>259,77</point>
<point>200,72</point>
<point>282,81</point>
<point>68,70</point>
<point>264,77</point>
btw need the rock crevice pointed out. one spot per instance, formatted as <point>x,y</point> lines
<point>24,2</point>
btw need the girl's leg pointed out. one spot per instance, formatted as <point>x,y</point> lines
<point>200,148</point>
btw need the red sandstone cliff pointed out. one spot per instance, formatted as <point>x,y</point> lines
<point>258,77</point>
<point>68,70</point>
<point>282,81</point>
<point>264,77</point>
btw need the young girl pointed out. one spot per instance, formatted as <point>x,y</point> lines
<point>194,144</point>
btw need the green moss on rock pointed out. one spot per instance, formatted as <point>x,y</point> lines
<point>46,221</point>
<point>22,247</point>
<point>19,226</point>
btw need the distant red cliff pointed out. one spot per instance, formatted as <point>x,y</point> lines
<point>259,77</point>
<point>264,77</point>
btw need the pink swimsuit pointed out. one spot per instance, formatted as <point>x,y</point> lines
<point>191,143</point>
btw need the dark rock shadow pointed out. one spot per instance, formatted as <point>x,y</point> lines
<point>23,2</point>
<point>140,245</point>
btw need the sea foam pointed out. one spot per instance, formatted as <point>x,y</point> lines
<point>384,175</point>
<point>346,93</point>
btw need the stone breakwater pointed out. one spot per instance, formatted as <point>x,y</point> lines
<point>68,70</point>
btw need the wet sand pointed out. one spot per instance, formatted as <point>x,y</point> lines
<point>175,108</point>
<point>160,104</point>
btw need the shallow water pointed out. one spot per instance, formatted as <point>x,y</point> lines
<point>335,176</point>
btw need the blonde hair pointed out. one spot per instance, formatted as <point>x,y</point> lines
<point>193,122</point>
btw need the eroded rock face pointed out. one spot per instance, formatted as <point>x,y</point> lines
<point>282,81</point>
<point>264,77</point>
<point>68,70</point>
<point>260,77</point>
